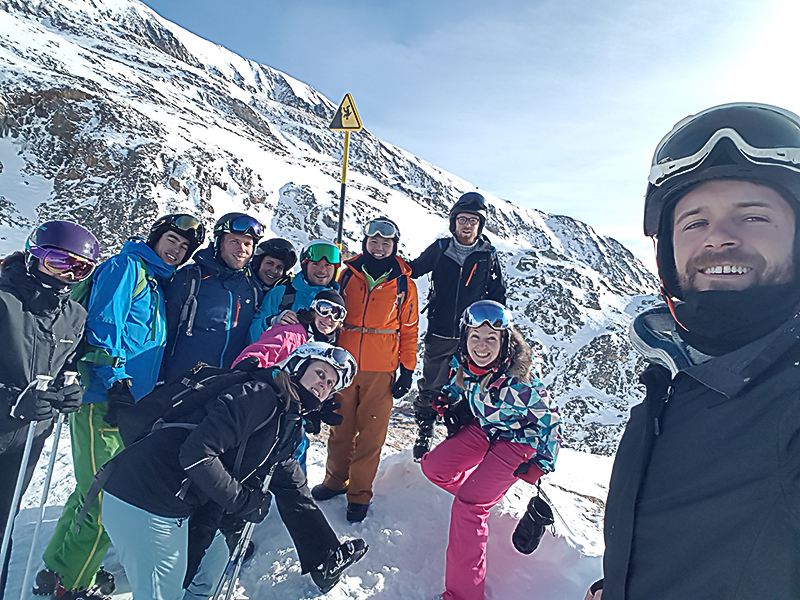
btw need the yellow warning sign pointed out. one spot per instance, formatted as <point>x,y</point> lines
<point>346,118</point>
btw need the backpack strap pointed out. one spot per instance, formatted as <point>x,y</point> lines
<point>346,275</point>
<point>288,297</point>
<point>189,308</point>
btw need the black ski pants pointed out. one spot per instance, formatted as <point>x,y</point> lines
<point>10,464</point>
<point>311,533</point>
<point>435,373</point>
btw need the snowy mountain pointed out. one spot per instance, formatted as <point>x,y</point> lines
<point>110,115</point>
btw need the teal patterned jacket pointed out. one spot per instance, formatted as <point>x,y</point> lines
<point>511,409</point>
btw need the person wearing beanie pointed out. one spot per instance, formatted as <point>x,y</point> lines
<point>380,330</point>
<point>464,268</point>
<point>273,261</point>
<point>126,326</point>
<point>211,301</point>
<point>41,328</point>
<point>319,262</point>
<point>704,497</point>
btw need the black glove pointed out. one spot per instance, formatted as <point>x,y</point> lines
<point>456,416</point>
<point>251,363</point>
<point>403,383</point>
<point>68,399</point>
<point>256,506</point>
<point>35,405</point>
<point>530,529</point>
<point>326,413</point>
<point>119,398</point>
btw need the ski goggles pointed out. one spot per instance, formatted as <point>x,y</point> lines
<point>63,264</point>
<point>488,312</point>
<point>326,308</point>
<point>765,135</point>
<point>382,227</point>
<point>244,224</point>
<point>327,251</point>
<point>186,223</point>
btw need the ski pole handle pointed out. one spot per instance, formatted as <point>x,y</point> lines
<point>70,377</point>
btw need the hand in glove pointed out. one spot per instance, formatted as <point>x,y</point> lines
<point>119,398</point>
<point>256,505</point>
<point>530,529</point>
<point>326,413</point>
<point>440,404</point>
<point>403,383</point>
<point>68,399</point>
<point>35,405</point>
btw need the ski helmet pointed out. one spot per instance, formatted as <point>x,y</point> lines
<point>238,223</point>
<point>383,227</point>
<point>340,359</point>
<point>745,141</point>
<point>316,250</point>
<point>471,202</point>
<point>276,248</point>
<point>184,225</point>
<point>62,247</point>
<point>493,314</point>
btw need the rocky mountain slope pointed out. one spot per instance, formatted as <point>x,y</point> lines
<point>111,115</point>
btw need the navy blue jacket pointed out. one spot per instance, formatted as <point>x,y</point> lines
<point>215,330</point>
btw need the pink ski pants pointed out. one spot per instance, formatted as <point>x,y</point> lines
<point>478,477</point>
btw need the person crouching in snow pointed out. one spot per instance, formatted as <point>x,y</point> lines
<point>501,421</point>
<point>160,481</point>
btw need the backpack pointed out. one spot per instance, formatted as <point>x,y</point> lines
<point>173,404</point>
<point>87,354</point>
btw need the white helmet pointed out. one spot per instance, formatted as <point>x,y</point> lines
<point>339,358</point>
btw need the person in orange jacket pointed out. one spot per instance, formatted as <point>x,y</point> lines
<point>380,331</point>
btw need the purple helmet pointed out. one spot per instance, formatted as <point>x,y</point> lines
<point>62,247</point>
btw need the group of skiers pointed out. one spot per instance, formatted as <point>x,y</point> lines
<point>211,375</point>
<point>240,359</point>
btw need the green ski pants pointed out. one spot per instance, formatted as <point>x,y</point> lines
<point>77,557</point>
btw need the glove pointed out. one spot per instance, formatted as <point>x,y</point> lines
<point>531,526</point>
<point>119,398</point>
<point>35,405</point>
<point>403,383</point>
<point>326,413</point>
<point>68,399</point>
<point>251,363</point>
<point>256,506</point>
<point>440,404</point>
<point>456,416</point>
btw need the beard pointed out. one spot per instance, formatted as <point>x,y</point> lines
<point>761,273</point>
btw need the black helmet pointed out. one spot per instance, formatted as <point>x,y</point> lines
<point>747,141</point>
<point>184,225</point>
<point>277,248</point>
<point>471,202</point>
<point>238,223</point>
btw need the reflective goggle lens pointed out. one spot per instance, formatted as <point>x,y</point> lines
<point>243,224</point>
<point>61,262</point>
<point>326,308</point>
<point>341,356</point>
<point>329,252</point>
<point>382,228</point>
<point>185,223</point>
<point>495,315</point>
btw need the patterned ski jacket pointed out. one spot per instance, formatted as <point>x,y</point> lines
<point>511,403</point>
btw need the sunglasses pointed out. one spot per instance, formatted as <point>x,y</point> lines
<point>382,227</point>
<point>488,312</point>
<point>467,220</point>
<point>62,263</point>
<point>326,308</point>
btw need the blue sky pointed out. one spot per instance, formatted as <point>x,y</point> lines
<point>555,104</point>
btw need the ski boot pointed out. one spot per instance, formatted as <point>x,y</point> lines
<point>424,441</point>
<point>327,575</point>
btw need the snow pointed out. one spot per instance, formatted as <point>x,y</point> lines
<point>406,530</point>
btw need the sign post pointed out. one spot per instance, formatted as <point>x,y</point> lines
<point>346,119</point>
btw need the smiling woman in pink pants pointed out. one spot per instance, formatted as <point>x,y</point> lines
<point>506,420</point>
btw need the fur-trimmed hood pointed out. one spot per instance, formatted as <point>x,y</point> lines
<point>521,357</point>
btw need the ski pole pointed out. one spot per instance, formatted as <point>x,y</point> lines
<point>70,377</point>
<point>231,573</point>
<point>40,382</point>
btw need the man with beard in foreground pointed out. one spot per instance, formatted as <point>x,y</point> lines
<point>704,499</point>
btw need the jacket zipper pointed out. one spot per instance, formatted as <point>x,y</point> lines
<point>458,289</point>
<point>471,273</point>
<point>656,420</point>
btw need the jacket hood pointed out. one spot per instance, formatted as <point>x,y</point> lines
<point>521,357</point>
<point>155,265</point>
<point>34,294</point>
<point>302,286</point>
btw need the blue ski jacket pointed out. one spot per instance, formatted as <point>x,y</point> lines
<point>133,328</point>
<point>304,295</point>
<point>209,310</point>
